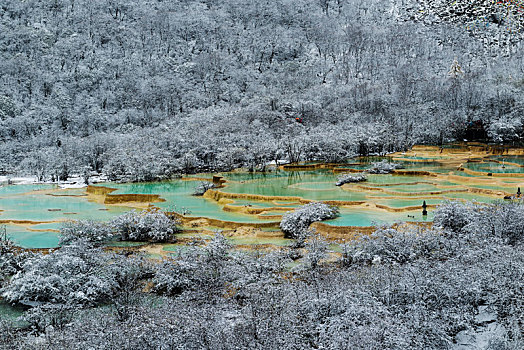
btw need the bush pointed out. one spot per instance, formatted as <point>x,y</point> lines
<point>90,230</point>
<point>501,220</point>
<point>454,216</point>
<point>48,314</point>
<point>508,218</point>
<point>383,167</point>
<point>72,274</point>
<point>201,269</point>
<point>389,245</point>
<point>173,278</point>
<point>316,250</point>
<point>147,225</point>
<point>295,223</point>
<point>11,258</point>
<point>77,274</point>
<point>350,178</point>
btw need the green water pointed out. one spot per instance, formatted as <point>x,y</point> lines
<point>510,159</point>
<point>491,167</point>
<point>283,204</point>
<point>420,158</point>
<point>396,179</point>
<point>177,248</point>
<point>28,239</point>
<point>363,217</point>
<point>178,195</point>
<point>30,202</point>
<point>415,188</point>
<point>399,203</point>
<point>303,186</point>
<point>46,206</point>
<point>11,314</point>
<point>259,240</point>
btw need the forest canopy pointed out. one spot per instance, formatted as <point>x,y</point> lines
<point>148,89</point>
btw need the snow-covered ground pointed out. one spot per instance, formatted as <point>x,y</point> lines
<point>74,181</point>
<point>18,180</point>
<point>280,162</point>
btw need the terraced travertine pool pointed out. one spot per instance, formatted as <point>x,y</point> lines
<point>33,213</point>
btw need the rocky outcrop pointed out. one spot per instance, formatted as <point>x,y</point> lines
<point>108,198</point>
<point>495,23</point>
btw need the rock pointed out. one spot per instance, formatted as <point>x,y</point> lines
<point>198,223</point>
<point>480,338</point>
<point>485,315</point>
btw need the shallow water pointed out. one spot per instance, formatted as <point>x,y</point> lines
<point>46,206</point>
<point>491,167</point>
<point>369,217</point>
<point>308,185</point>
<point>48,203</point>
<point>11,314</point>
<point>509,159</point>
<point>23,237</point>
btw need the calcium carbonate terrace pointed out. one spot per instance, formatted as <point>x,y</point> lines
<point>33,213</point>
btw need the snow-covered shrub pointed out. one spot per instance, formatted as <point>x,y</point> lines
<point>73,274</point>
<point>126,274</point>
<point>201,269</point>
<point>350,178</point>
<point>203,187</point>
<point>502,220</point>
<point>7,108</point>
<point>11,259</point>
<point>383,167</point>
<point>387,245</point>
<point>316,250</point>
<point>56,315</point>
<point>509,219</point>
<point>90,230</point>
<point>147,225</point>
<point>294,223</point>
<point>172,278</point>
<point>454,216</point>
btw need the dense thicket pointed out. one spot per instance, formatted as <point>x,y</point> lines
<point>147,225</point>
<point>149,88</point>
<point>457,285</point>
<point>296,222</point>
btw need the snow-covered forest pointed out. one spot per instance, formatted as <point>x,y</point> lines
<point>149,88</point>
<point>143,90</point>
<point>457,285</point>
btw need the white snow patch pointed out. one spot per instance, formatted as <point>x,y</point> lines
<point>480,338</point>
<point>18,180</point>
<point>278,162</point>
<point>485,315</point>
<point>72,185</point>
